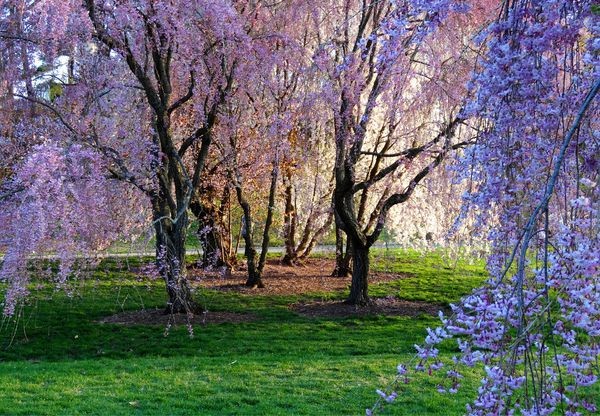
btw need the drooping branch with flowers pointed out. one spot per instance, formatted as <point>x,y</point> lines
<point>534,327</point>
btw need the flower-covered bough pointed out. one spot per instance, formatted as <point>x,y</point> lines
<point>534,328</point>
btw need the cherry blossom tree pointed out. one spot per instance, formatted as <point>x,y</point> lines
<point>534,326</point>
<point>118,114</point>
<point>395,93</point>
<point>151,79</point>
<point>308,184</point>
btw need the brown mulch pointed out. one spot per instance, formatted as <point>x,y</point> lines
<point>159,317</point>
<point>380,306</point>
<point>310,277</point>
<point>313,276</point>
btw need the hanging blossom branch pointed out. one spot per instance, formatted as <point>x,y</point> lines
<point>537,333</point>
<point>529,229</point>
<point>470,357</point>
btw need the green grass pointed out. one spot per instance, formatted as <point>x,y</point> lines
<point>59,361</point>
<point>427,277</point>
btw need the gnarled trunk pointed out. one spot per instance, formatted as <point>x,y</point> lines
<point>357,241</point>
<point>170,261</point>
<point>209,236</point>
<point>342,260</point>
<point>360,272</point>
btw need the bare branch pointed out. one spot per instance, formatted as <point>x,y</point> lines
<point>186,97</point>
<point>401,197</point>
<point>408,154</point>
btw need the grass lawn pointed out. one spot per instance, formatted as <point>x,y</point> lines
<point>60,361</point>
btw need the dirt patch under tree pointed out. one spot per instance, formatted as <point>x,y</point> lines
<point>314,276</point>
<point>380,306</point>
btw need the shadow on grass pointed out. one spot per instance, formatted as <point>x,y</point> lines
<point>56,327</point>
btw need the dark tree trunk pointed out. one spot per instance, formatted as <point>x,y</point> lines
<point>360,272</point>
<point>254,278</point>
<point>212,250</point>
<point>209,235</point>
<point>289,224</point>
<point>269,220</point>
<point>346,265</point>
<point>170,261</point>
<point>225,242</point>
<point>342,260</point>
<point>255,269</point>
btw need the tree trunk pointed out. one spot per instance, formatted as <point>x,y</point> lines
<point>346,265</point>
<point>254,278</point>
<point>359,289</point>
<point>255,269</point>
<point>209,235</point>
<point>225,238</point>
<point>295,253</point>
<point>289,226</point>
<point>342,262</point>
<point>269,220</point>
<point>170,261</point>
<point>212,250</point>
<point>304,249</point>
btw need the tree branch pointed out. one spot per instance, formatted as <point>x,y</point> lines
<point>399,198</point>
<point>186,97</point>
<point>405,155</point>
<point>50,107</point>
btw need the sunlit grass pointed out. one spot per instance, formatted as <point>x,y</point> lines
<point>58,360</point>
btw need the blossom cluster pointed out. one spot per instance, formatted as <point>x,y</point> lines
<point>60,192</point>
<point>534,327</point>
